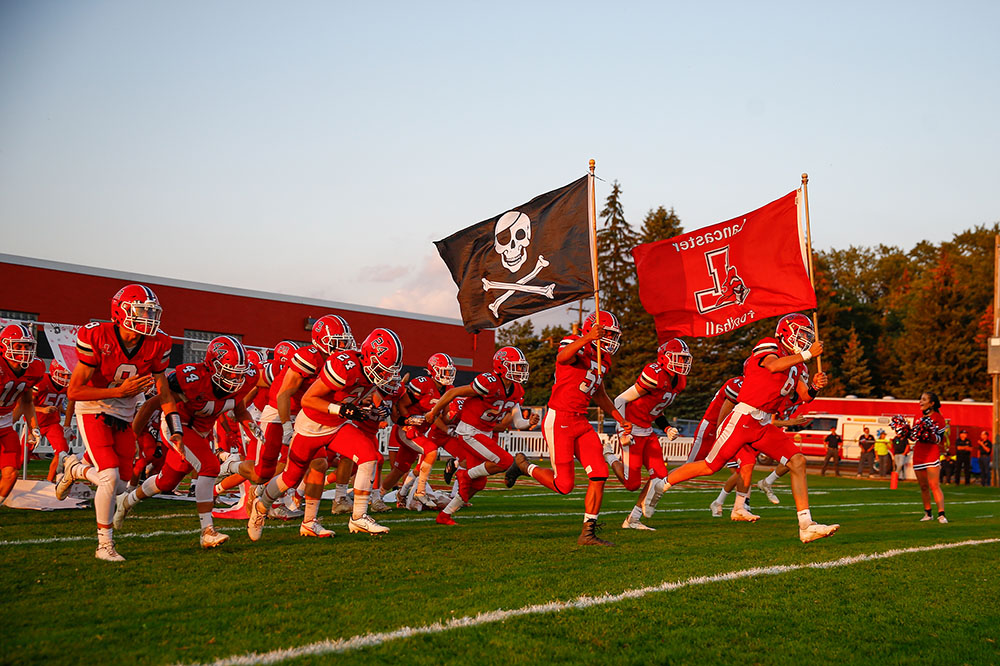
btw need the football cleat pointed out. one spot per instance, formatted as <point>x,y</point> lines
<point>258,514</point>
<point>609,448</point>
<point>314,528</point>
<point>367,525</point>
<point>121,510</point>
<point>926,518</point>
<point>652,498</point>
<point>425,500</point>
<point>716,508</point>
<point>449,470</point>
<point>636,525</point>
<point>65,482</point>
<point>282,512</point>
<point>768,491</point>
<point>341,505</point>
<point>816,531</point>
<point>445,519</point>
<point>230,466</point>
<point>514,471</point>
<point>588,536</point>
<point>743,516</point>
<point>107,552</point>
<point>379,506</point>
<point>210,537</point>
<point>942,520</point>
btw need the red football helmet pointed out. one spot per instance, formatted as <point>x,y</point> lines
<point>441,369</point>
<point>18,344</point>
<point>510,362</point>
<point>256,357</point>
<point>795,331</point>
<point>227,359</point>
<point>331,333</point>
<point>59,374</point>
<point>382,357</point>
<point>675,356</point>
<point>611,339</point>
<point>136,308</point>
<point>284,351</point>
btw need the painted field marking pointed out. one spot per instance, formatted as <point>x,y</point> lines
<point>342,645</point>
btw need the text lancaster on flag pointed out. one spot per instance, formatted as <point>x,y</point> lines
<point>530,258</point>
<point>718,278</point>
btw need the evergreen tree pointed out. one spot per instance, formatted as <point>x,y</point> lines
<point>854,368</point>
<point>660,224</point>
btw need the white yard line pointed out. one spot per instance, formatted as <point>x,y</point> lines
<point>342,645</point>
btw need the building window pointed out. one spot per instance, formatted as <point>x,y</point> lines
<point>196,343</point>
<point>24,317</point>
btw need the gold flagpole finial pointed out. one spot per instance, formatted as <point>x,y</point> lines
<point>805,178</point>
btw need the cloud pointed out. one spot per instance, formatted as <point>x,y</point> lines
<point>382,273</point>
<point>431,291</point>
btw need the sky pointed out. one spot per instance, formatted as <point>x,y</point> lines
<point>319,148</point>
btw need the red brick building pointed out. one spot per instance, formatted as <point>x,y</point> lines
<point>50,291</point>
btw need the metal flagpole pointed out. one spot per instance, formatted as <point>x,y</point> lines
<point>809,256</point>
<point>593,257</point>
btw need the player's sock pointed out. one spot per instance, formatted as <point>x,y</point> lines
<point>635,515</point>
<point>362,488</point>
<point>311,510</point>
<point>408,483</point>
<point>940,513</point>
<point>928,512</point>
<point>340,492</point>
<point>105,535</point>
<point>272,491</point>
<point>741,500</point>
<point>531,470</point>
<point>610,458</point>
<point>589,516</point>
<point>454,505</point>
<point>454,488</point>
<point>478,472</point>
<point>376,493</point>
<point>772,478</point>
<point>425,472</point>
<point>723,495</point>
<point>805,518</point>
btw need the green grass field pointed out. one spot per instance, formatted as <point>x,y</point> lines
<point>174,603</point>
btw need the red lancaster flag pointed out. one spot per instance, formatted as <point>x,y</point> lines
<point>715,279</point>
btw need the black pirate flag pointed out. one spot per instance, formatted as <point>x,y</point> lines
<point>531,258</point>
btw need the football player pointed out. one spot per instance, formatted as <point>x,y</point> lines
<point>927,434</point>
<point>203,393</point>
<point>118,360</point>
<point>19,372</point>
<point>341,411</point>
<point>492,402</point>
<point>50,405</point>
<point>642,405</point>
<point>579,378</point>
<point>773,370</point>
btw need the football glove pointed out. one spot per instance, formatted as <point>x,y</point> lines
<point>380,413</point>
<point>352,412</point>
<point>287,430</point>
<point>254,430</point>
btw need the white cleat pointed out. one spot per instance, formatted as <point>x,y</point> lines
<point>230,466</point>
<point>609,448</point>
<point>768,491</point>
<point>926,519</point>
<point>210,537</point>
<point>716,508</point>
<point>816,531</point>
<point>282,512</point>
<point>636,525</point>
<point>342,505</point>
<point>258,514</point>
<point>314,528</point>
<point>378,506</point>
<point>425,500</point>
<point>652,498</point>
<point>107,552</point>
<point>121,510</point>
<point>942,520</point>
<point>65,482</point>
<point>367,525</point>
<point>743,516</point>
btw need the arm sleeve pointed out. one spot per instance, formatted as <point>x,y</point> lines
<point>625,397</point>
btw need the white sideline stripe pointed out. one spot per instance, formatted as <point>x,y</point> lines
<point>342,645</point>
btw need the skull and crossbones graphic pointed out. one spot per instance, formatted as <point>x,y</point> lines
<point>511,239</point>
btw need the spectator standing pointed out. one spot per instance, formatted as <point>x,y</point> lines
<point>833,442</point>
<point>985,447</point>
<point>867,443</point>
<point>882,451</point>
<point>901,451</point>
<point>963,457</point>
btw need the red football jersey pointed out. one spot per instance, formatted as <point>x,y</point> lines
<point>268,370</point>
<point>577,382</point>
<point>201,402</point>
<point>491,403</point>
<point>763,389</point>
<point>12,385</point>
<point>49,394</point>
<point>307,363</point>
<point>728,391</point>
<point>454,409</point>
<point>662,388</point>
<point>343,375</point>
<point>99,346</point>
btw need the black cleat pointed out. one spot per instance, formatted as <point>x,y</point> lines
<point>450,468</point>
<point>588,537</point>
<point>514,471</point>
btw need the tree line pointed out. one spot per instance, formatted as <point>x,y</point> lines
<point>893,322</point>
